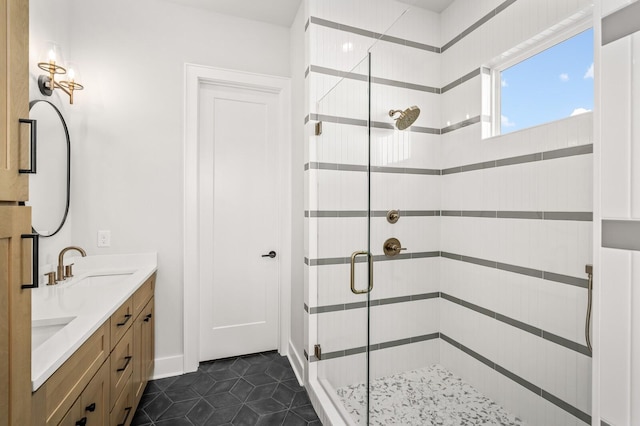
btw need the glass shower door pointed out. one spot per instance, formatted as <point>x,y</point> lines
<point>341,269</point>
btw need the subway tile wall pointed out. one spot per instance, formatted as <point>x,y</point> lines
<point>497,230</point>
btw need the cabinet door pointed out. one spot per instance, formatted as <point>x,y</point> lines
<point>94,401</point>
<point>14,99</point>
<point>148,341</point>
<point>143,350</point>
<point>15,316</point>
<point>73,416</point>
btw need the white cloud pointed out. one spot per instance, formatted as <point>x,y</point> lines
<point>564,77</point>
<point>504,83</point>
<point>579,111</point>
<point>589,73</point>
<point>504,120</point>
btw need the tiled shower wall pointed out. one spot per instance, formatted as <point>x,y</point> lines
<point>497,230</point>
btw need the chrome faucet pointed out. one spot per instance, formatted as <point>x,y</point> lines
<point>61,269</point>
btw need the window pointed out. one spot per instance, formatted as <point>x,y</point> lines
<point>550,85</point>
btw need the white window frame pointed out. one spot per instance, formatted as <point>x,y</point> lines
<point>557,34</point>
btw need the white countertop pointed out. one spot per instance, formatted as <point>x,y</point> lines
<point>89,304</point>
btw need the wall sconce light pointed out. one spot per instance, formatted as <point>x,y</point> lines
<point>47,82</point>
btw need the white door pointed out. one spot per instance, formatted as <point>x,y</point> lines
<point>239,291</point>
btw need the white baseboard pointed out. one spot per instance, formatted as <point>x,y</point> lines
<point>296,362</point>
<point>168,367</point>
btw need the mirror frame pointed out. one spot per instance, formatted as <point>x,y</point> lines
<point>66,133</point>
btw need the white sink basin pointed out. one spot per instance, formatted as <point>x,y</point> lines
<point>42,330</point>
<point>101,279</point>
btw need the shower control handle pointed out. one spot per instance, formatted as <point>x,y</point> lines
<point>392,247</point>
<point>271,254</point>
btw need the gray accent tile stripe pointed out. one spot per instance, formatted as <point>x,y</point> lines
<point>306,73</point>
<point>521,381</point>
<point>306,308</point>
<point>568,152</point>
<point>520,215</point>
<point>409,43</point>
<point>621,23</point>
<point>578,216</point>
<point>385,125</point>
<point>405,170</point>
<point>374,169</point>
<point>460,125</point>
<point>375,302</point>
<point>377,346</point>
<point>394,83</point>
<point>338,120</point>
<point>344,74</point>
<point>520,270</point>
<point>566,343</point>
<point>603,423</point>
<point>306,25</point>
<point>549,276</point>
<point>529,158</point>
<point>478,24</point>
<point>567,407</point>
<point>621,234</point>
<point>378,258</point>
<point>569,344</point>
<point>547,155</point>
<point>372,34</point>
<point>363,213</point>
<point>375,80</point>
<point>461,80</point>
<point>565,279</point>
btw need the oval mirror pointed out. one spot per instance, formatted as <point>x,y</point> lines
<point>49,187</point>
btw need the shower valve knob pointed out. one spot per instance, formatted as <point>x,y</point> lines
<point>392,247</point>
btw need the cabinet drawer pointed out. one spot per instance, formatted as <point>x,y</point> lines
<point>62,389</point>
<point>121,321</point>
<point>121,365</point>
<point>123,409</point>
<point>142,296</point>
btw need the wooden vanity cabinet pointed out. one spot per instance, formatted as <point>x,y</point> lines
<point>15,302</point>
<point>102,382</point>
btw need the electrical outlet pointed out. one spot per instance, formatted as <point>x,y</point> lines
<point>104,238</point>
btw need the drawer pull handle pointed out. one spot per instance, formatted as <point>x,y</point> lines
<point>126,364</point>
<point>33,144</point>
<point>35,249</point>
<point>147,318</point>
<point>81,422</point>
<point>91,408</point>
<point>126,319</point>
<point>124,421</point>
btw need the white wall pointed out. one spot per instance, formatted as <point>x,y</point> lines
<point>128,138</point>
<point>50,21</point>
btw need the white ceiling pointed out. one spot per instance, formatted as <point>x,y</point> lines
<point>282,12</point>
<point>432,5</point>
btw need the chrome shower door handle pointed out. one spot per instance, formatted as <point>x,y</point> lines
<point>353,271</point>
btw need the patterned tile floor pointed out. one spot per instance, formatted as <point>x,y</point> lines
<point>258,389</point>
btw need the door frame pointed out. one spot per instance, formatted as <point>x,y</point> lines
<point>195,75</point>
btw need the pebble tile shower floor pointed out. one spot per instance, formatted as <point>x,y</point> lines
<point>425,397</point>
<point>259,389</point>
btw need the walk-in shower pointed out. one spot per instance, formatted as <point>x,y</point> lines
<point>466,254</point>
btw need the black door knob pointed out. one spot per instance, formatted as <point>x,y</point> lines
<point>271,254</point>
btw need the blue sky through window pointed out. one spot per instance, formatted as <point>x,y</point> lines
<point>556,83</point>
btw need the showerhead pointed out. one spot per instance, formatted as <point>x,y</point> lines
<point>406,117</point>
